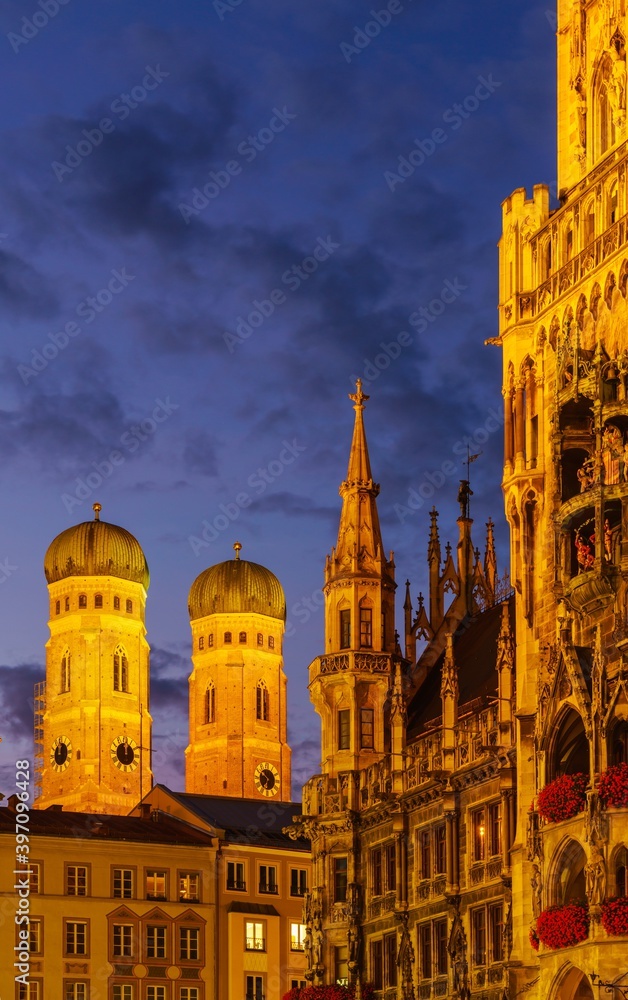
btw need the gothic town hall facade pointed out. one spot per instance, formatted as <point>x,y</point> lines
<point>469,826</point>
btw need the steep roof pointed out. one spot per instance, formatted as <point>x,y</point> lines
<point>53,822</point>
<point>475,654</point>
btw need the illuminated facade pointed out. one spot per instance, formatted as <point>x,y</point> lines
<point>563,330</point>
<point>238,705</point>
<point>95,725</point>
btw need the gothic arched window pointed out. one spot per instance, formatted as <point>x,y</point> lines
<point>210,704</point>
<point>227,638</point>
<point>242,637</point>
<point>82,600</point>
<point>98,600</point>
<point>120,670</point>
<point>65,671</point>
<point>570,752</point>
<point>262,702</point>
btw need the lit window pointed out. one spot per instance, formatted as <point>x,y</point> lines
<point>75,991</point>
<point>478,825</point>
<point>344,729</point>
<point>242,637</point>
<point>76,880</point>
<point>155,941</point>
<point>267,878</point>
<point>155,884</point>
<point>122,883</point>
<point>189,940</point>
<point>98,600</point>
<point>345,629</point>
<point>254,936</point>
<point>82,600</point>
<point>75,937</point>
<point>297,936</point>
<point>367,726</point>
<point>189,886</point>
<point>123,941</point>
<point>129,606</point>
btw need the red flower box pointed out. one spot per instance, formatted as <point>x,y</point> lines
<point>563,926</point>
<point>329,993</point>
<point>615,915</point>
<point>563,798</point>
<point>613,786</point>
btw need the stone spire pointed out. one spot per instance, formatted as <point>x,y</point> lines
<point>434,561</point>
<point>449,693</point>
<point>490,558</point>
<point>359,548</point>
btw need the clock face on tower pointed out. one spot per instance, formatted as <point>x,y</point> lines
<point>124,753</point>
<point>267,779</point>
<point>60,753</point>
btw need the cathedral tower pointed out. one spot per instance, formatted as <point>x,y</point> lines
<point>238,711</point>
<point>96,726</point>
<point>563,329</point>
<point>350,684</point>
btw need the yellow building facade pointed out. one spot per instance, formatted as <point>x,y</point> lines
<point>564,336</point>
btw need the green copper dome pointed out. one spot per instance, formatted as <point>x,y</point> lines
<point>96,548</point>
<point>237,586</point>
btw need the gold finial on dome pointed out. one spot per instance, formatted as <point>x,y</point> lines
<point>237,546</point>
<point>97,507</point>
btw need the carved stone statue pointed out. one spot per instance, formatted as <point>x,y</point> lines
<point>537,890</point>
<point>595,875</point>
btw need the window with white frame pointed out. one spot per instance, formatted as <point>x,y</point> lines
<point>235,876</point>
<point>254,935</point>
<point>268,878</point>
<point>123,883</point>
<point>155,941</point>
<point>189,886</point>
<point>123,940</point>
<point>298,881</point>
<point>125,991</point>
<point>75,990</point>
<point>297,936</point>
<point>254,986</point>
<point>76,937</point>
<point>156,883</point>
<point>189,943</point>
<point>76,880</point>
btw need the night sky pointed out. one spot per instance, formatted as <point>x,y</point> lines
<point>213,218</point>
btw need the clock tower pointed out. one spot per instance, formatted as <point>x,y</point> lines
<point>238,719</point>
<point>96,726</point>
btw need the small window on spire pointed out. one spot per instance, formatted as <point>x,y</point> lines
<point>98,600</point>
<point>82,600</point>
<point>271,642</point>
<point>116,604</point>
<point>58,608</point>
<point>345,629</point>
<point>242,637</point>
<point>210,639</point>
<point>260,639</point>
<point>201,642</point>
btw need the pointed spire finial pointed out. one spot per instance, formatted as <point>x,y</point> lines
<point>237,546</point>
<point>97,507</point>
<point>358,396</point>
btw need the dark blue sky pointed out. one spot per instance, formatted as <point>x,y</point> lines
<point>212,217</point>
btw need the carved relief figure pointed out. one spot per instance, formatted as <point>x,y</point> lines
<point>584,552</point>
<point>612,450</point>
<point>537,890</point>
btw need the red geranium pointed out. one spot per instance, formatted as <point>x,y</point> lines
<point>329,993</point>
<point>615,915</point>
<point>563,926</point>
<point>563,798</point>
<point>613,786</point>
<point>534,939</point>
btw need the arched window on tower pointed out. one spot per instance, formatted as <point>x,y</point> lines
<point>242,637</point>
<point>613,214</point>
<point>603,108</point>
<point>65,671</point>
<point>120,670</point>
<point>570,749</point>
<point>82,600</point>
<point>227,637</point>
<point>366,624</point>
<point>98,600</point>
<point>116,604</point>
<point>260,639</point>
<point>210,703</point>
<point>262,702</point>
<point>621,863</point>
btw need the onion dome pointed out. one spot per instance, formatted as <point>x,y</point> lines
<point>237,586</point>
<point>96,548</point>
